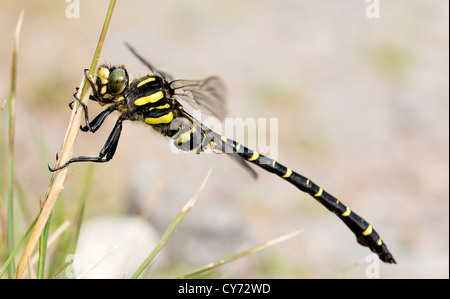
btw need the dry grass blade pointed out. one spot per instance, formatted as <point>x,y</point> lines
<point>241,254</point>
<point>52,239</point>
<point>67,264</point>
<point>58,178</point>
<point>12,121</point>
<point>82,275</point>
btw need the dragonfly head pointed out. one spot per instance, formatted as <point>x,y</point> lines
<point>111,81</point>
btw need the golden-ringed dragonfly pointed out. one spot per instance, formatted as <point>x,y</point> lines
<point>155,100</point>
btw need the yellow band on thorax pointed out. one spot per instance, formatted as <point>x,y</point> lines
<point>143,82</point>
<point>165,119</point>
<point>153,98</point>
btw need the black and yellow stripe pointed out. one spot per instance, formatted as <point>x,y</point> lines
<point>364,232</point>
<point>153,99</point>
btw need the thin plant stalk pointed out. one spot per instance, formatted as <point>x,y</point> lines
<point>241,254</point>
<point>58,178</point>
<point>12,117</point>
<point>80,217</point>
<point>67,264</point>
<point>172,227</point>
<point>16,250</point>
<point>51,240</point>
<point>111,251</point>
<point>43,250</point>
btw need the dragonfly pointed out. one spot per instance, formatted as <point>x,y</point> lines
<point>156,100</point>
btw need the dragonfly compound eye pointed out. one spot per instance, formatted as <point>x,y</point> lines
<point>117,81</point>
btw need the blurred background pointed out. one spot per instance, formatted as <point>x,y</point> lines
<point>362,106</point>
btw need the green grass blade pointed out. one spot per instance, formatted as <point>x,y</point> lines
<point>11,119</point>
<point>76,234</point>
<point>241,254</point>
<point>43,250</point>
<point>172,227</point>
<point>16,250</point>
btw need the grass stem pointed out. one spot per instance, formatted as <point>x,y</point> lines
<point>12,117</point>
<point>172,227</point>
<point>58,179</point>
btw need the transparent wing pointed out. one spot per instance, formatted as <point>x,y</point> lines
<point>207,95</point>
<point>154,70</point>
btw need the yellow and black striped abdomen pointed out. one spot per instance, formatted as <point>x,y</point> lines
<point>191,135</point>
<point>364,232</point>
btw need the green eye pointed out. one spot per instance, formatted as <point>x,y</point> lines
<point>117,81</point>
